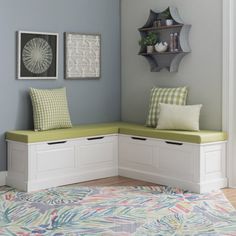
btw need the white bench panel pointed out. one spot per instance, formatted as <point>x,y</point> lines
<point>196,167</point>
<point>61,162</point>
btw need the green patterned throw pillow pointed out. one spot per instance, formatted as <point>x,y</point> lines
<point>175,96</point>
<point>50,109</point>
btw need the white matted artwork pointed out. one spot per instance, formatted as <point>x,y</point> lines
<point>37,55</point>
<point>82,56</point>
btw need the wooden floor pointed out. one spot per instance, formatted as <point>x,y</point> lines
<point>122,181</point>
<point>231,195</point>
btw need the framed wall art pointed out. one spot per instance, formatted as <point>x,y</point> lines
<point>37,55</point>
<point>82,56</point>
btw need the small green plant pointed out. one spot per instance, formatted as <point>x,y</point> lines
<point>150,40</point>
<point>166,14</point>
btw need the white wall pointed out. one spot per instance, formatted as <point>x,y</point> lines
<point>230,94</point>
<point>201,70</point>
<point>233,103</point>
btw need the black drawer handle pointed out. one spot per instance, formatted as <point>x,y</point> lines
<point>54,143</point>
<point>95,138</point>
<point>174,143</point>
<point>137,138</point>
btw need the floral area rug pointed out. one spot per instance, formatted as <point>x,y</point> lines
<point>122,211</point>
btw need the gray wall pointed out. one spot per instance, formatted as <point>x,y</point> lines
<point>89,100</point>
<point>201,70</point>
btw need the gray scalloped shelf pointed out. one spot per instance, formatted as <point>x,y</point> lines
<point>158,53</point>
<point>168,60</point>
<point>164,27</point>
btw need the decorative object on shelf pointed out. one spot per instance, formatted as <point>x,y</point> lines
<point>82,56</point>
<point>149,41</point>
<point>171,42</point>
<point>167,16</point>
<point>176,42</point>
<point>161,47</point>
<point>175,34</point>
<point>150,49</point>
<point>157,23</point>
<point>169,22</point>
<point>37,55</point>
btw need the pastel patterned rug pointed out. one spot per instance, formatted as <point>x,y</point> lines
<point>121,211</point>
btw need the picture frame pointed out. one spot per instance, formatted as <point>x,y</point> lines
<point>37,55</point>
<point>82,55</point>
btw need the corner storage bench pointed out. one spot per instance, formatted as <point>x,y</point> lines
<point>39,160</point>
<point>190,160</point>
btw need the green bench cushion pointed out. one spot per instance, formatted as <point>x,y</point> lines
<point>202,136</point>
<point>78,131</point>
<point>29,136</point>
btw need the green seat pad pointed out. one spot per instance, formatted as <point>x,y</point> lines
<point>78,131</point>
<point>30,136</point>
<point>202,136</point>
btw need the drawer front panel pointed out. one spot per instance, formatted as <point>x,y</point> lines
<point>176,163</point>
<point>97,152</point>
<point>136,153</point>
<point>54,159</point>
<point>165,158</point>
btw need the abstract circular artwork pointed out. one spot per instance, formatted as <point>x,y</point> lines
<point>37,55</point>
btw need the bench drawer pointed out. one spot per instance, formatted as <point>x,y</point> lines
<point>54,159</point>
<point>195,167</point>
<point>177,160</point>
<point>137,152</point>
<point>97,152</point>
<point>172,159</point>
<point>38,166</point>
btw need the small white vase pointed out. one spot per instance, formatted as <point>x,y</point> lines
<point>169,22</point>
<point>150,49</point>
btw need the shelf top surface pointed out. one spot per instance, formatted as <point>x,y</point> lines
<point>163,27</point>
<point>160,53</point>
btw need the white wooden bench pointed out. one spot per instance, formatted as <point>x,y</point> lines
<point>191,160</point>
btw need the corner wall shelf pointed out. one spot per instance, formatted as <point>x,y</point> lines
<point>161,27</point>
<point>169,59</point>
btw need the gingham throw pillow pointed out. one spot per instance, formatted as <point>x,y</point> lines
<point>50,109</point>
<point>175,96</point>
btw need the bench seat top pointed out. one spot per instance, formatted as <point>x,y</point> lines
<point>79,131</point>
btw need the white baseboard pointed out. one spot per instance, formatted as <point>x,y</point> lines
<point>172,182</point>
<point>3,175</point>
<point>72,178</point>
<point>158,179</point>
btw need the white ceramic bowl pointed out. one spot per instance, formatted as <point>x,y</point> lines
<point>161,47</point>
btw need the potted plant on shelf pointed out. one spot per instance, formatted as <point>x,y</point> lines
<point>149,41</point>
<point>168,18</point>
